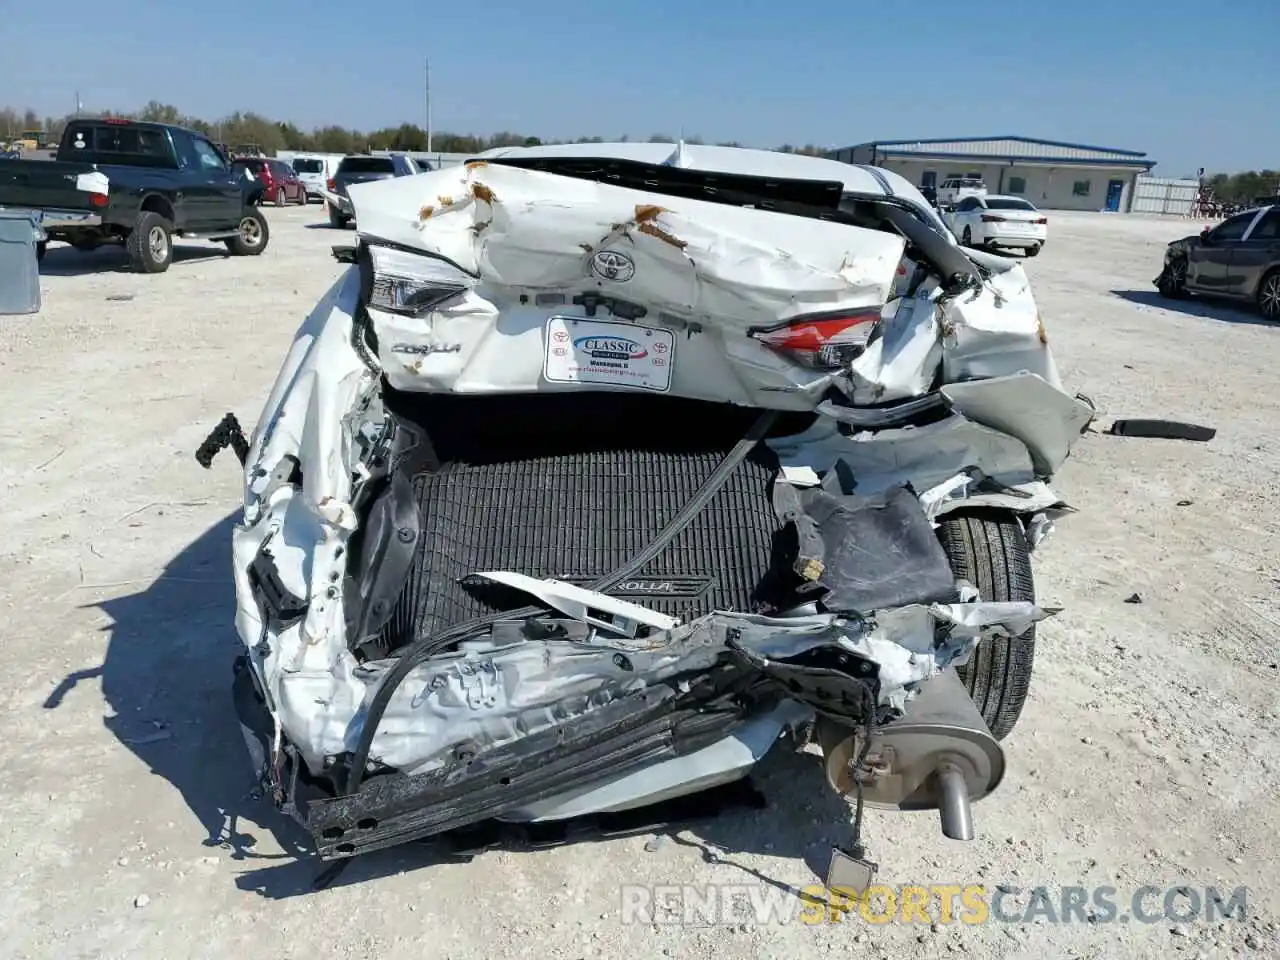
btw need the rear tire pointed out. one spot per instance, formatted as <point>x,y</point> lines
<point>150,243</point>
<point>989,549</point>
<point>1032,251</point>
<point>337,218</point>
<point>252,235</point>
<point>282,198</point>
<point>41,247</point>
<point>966,238</point>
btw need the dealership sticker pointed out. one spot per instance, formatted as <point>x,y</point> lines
<point>609,353</point>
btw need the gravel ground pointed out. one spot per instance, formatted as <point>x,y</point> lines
<point>1148,752</point>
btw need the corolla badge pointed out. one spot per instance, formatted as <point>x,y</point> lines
<point>610,348</point>
<point>612,265</point>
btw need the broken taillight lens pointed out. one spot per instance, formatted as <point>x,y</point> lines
<point>826,341</point>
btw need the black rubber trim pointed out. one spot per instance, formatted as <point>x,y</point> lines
<point>1162,430</point>
<point>880,177</point>
<point>426,647</point>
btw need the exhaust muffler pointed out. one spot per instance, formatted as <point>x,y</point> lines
<point>939,756</point>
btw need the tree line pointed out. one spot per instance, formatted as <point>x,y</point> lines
<point>246,128</point>
<point>1245,187</point>
<point>243,129</point>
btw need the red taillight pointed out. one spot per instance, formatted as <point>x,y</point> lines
<point>991,218</point>
<point>116,120</point>
<point>98,199</point>
<point>332,185</point>
<point>822,341</point>
<point>1041,221</point>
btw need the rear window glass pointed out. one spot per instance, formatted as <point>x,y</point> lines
<point>1001,203</point>
<point>366,165</point>
<point>119,143</point>
<point>254,165</point>
<point>307,165</point>
<point>970,183</point>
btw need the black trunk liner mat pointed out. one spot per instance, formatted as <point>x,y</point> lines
<point>577,516</point>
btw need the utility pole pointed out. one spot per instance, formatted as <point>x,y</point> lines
<point>427,64</point>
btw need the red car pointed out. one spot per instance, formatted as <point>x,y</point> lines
<point>280,184</point>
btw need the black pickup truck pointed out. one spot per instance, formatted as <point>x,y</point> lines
<point>139,184</point>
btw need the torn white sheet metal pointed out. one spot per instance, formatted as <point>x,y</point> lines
<point>531,241</point>
<point>707,272</point>
<point>800,476</point>
<point>903,361</point>
<point>319,691</point>
<point>491,694</point>
<point>903,642</point>
<point>996,332</point>
<point>1025,406</point>
<point>535,231</point>
<point>932,500</point>
<point>923,456</point>
<point>581,604</point>
<point>312,397</point>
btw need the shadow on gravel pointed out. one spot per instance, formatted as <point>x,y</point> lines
<point>65,261</point>
<point>1194,307</point>
<point>167,679</point>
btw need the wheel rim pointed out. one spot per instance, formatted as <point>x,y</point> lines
<point>1269,297</point>
<point>158,243</point>
<point>1178,274</point>
<point>250,231</point>
<point>280,197</point>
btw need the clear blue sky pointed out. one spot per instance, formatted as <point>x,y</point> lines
<point>1190,83</point>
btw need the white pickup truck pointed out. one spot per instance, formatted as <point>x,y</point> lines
<point>955,189</point>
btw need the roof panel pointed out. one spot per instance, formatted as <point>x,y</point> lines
<point>1004,146</point>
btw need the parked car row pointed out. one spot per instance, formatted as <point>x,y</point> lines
<point>362,168</point>
<point>280,182</point>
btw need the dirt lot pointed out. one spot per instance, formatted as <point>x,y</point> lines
<point>1148,754</point>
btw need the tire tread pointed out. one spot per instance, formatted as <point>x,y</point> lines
<point>990,551</point>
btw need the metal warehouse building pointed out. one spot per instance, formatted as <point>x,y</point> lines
<point>1049,173</point>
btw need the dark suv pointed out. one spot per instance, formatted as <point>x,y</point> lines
<point>359,169</point>
<point>1239,258</point>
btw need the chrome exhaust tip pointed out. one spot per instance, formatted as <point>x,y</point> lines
<point>939,756</point>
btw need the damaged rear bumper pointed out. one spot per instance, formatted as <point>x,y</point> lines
<point>691,708</point>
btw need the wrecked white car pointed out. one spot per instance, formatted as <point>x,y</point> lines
<point>603,465</point>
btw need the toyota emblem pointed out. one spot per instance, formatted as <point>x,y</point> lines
<point>612,265</point>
